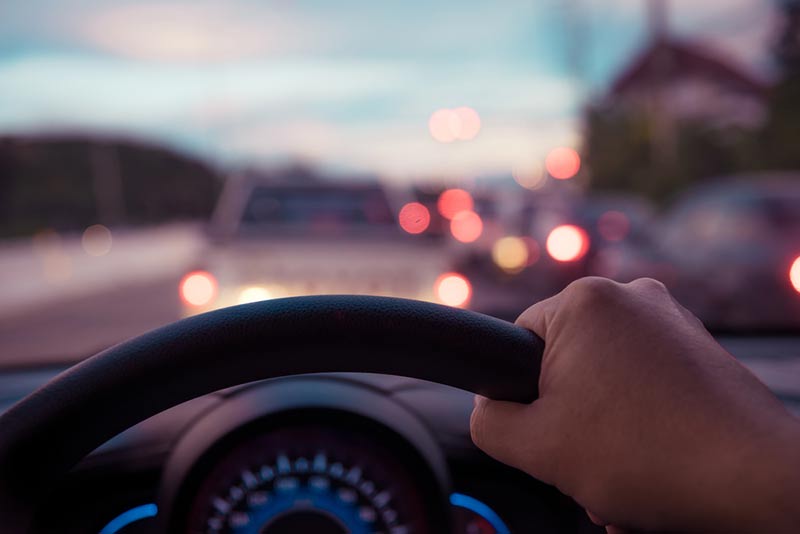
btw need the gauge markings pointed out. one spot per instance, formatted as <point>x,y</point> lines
<point>299,486</point>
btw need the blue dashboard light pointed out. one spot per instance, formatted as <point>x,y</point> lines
<point>480,508</point>
<point>130,516</point>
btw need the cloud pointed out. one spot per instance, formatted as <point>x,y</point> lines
<point>198,31</point>
<point>403,148</point>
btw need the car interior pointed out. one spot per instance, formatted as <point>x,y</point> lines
<point>258,257</point>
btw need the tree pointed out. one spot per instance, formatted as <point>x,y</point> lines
<point>779,140</point>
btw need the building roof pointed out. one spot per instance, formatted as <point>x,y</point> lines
<point>668,59</point>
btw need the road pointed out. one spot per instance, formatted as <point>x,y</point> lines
<point>74,328</point>
<point>70,329</point>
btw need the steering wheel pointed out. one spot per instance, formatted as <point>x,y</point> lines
<point>50,430</point>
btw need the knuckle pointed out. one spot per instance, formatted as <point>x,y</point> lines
<point>649,284</point>
<point>591,292</point>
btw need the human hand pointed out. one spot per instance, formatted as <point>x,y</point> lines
<point>645,420</point>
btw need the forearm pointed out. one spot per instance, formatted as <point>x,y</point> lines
<point>771,503</point>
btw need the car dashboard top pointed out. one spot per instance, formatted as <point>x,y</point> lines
<point>336,452</point>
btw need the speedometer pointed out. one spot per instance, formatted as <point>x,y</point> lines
<point>310,478</point>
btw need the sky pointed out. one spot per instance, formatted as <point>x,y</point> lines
<point>346,84</point>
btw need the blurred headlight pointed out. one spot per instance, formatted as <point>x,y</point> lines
<point>510,254</point>
<point>198,288</point>
<point>794,274</point>
<point>567,243</point>
<point>453,289</point>
<point>254,294</point>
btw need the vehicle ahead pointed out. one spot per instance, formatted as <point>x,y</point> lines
<point>551,239</point>
<point>272,238</point>
<point>728,252</point>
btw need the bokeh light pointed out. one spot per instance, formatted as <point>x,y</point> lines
<point>794,274</point>
<point>529,174</point>
<point>96,240</point>
<point>440,125</point>
<point>453,289</point>
<point>448,125</point>
<point>453,201</point>
<point>466,226</point>
<point>510,254</point>
<point>567,243</point>
<point>198,288</point>
<point>534,251</point>
<point>613,225</point>
<point>56,263</point>
<point>468,124</point>
<point>254,294</point>
<point>414,218</point>
<point>563,163</point>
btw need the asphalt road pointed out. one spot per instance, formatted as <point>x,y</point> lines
<point>72,329</point>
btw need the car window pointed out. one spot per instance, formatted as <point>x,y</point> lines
<point>316,209</point>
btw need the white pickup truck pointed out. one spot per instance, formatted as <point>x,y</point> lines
<point>272,239</point>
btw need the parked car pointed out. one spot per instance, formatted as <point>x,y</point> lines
<point>727,250</point>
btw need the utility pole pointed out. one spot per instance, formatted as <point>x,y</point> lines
<point>658,19</point>
<point>664,142</point>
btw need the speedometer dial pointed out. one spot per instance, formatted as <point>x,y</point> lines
<point>313,479</point>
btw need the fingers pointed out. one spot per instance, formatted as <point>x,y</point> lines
<point>509,432</point>
<point>596,519</point>
<point>496,428</point>
<point>538,317</point>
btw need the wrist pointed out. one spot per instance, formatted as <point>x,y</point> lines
<point>771,502</point>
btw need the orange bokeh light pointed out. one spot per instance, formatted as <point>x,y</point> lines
<point>613,225</point>
<point>466,226</point>
<point>414,218</point>
<point>448,125</point>
<point>794,274</point>
<point>453,289</point>
<point>453,201</point>
<point>563,163</point>
<point>198,288</point>
<point>567,243</point>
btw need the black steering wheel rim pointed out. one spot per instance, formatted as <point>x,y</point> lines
<point>50,430</point>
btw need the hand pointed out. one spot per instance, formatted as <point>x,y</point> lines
<point>645,420</point>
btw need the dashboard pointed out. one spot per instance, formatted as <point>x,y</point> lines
<point>326,453</point>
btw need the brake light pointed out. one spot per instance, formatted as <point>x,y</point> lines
<point>454,201</point>
<point>198,288</point>
<point>466,226</point>
<point>453,289</point>
<point>414,218</point>
<point>567,243</point>
<point>794,274</point>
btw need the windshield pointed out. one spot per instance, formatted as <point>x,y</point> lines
<point>164,159</point>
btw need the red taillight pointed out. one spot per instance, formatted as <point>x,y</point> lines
<point>453,201</point>
<point>567,243</point>
<point>466,226</point>
<point>453,289</point>
<point>794,274</point>
<point>414,218</point>
<point>198,288</point>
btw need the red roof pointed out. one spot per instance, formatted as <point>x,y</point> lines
<point>666,60</point>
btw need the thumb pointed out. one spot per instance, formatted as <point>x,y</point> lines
<point>503,430</point>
